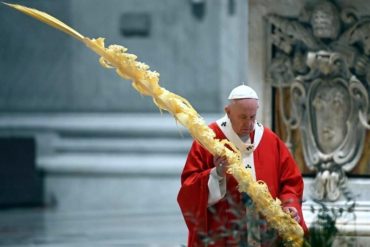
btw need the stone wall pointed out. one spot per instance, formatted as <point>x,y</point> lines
<point>198,54</point>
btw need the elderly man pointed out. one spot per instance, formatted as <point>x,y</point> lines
<point>216,213</point>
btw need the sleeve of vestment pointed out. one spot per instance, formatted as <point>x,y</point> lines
<point>194,193</point>
<point>291,182</point>
<point>216,187</point>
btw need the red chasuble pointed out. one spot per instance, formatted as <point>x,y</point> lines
<point>210,226</point>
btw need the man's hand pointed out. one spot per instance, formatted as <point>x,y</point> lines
<point>221,165</point>
<point>293,212</point>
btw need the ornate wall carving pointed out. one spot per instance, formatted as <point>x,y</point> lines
<point>320,71</point>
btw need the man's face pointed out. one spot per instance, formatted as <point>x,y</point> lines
<point>242,114</point>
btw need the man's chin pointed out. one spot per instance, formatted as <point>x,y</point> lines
<point>244,132</point>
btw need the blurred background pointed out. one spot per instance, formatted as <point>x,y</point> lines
<point>86,160</point>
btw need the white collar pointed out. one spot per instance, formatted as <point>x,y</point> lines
<point>225,125</point>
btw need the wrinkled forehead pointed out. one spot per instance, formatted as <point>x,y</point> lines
<point>244,104</point>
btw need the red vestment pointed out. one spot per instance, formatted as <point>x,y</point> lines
<point>273,164</point>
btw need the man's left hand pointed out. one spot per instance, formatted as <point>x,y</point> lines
<point>293,212</point>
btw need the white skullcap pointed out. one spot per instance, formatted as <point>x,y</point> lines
<point>243,92</point>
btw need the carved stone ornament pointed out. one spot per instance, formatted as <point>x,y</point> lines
<point>322,57</point>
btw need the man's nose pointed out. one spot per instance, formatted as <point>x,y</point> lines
<point>249,123</point>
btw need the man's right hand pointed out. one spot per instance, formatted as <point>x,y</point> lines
<point>221,165</point>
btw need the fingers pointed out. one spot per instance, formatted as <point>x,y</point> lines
<point>293,212</point>
<point>220,161</point>
<point>221,165</point>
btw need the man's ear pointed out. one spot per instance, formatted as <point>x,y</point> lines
<point>227,110</point>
